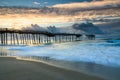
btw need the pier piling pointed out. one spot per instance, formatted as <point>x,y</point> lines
<point>17,37</point>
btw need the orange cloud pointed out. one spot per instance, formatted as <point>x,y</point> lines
<point>22,20</point>
<point>21,17</point>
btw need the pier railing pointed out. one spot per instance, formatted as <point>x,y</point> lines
<point>17,37</point>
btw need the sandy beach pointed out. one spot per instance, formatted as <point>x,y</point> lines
<point>13,69</point>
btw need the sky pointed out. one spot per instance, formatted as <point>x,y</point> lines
<point>36,3</point>
<point>57,12</point>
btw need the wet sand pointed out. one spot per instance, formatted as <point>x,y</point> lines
<point>13,69</point>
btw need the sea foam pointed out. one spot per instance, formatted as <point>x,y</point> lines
<point>99,52</point>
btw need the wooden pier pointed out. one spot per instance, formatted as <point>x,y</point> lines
<point>24,37</point>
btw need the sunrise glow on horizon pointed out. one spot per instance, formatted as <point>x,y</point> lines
<point>61,13</point>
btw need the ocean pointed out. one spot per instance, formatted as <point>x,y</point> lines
<point>79,56</point>
<point>105,52</point>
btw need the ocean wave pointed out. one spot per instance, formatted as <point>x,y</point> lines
<point>100,52</point>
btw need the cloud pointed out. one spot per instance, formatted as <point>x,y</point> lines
<point>45,16</point>
<point>45,2</point>
<point>89,5</point>
<point>36,3</point>
<point>74,28</point>
<point>88,28</point>
<point>63,13</point>
<point>34,27</point>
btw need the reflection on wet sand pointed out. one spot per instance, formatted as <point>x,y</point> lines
<point>4,52</point>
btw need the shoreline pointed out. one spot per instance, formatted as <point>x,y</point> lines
<point>14,69</point>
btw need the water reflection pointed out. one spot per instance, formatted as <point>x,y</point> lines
<point>4,52</point>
